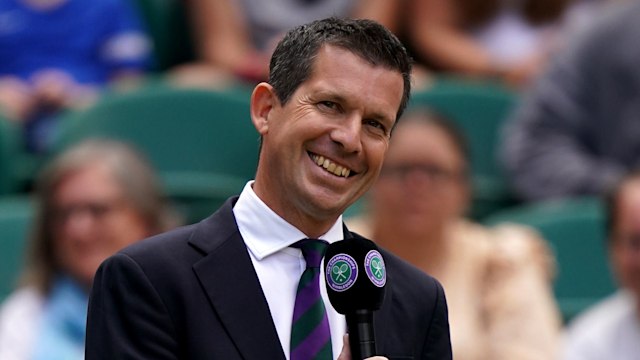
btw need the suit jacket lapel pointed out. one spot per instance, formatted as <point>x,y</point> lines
<point>230,281</point>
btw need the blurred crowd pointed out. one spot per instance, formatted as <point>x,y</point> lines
<point>574,132</point>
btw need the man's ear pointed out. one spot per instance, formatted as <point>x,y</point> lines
<point>263,101</point>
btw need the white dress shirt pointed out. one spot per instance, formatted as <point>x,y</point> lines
<point>279,267</point>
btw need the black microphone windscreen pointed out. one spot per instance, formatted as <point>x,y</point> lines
<point>355,275</point>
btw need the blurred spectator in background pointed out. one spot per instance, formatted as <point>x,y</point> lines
<point>584,12</point>
<point>238,36</point>
<point>497,281</point>
<point>93,200</point>
<point>578,129</point>
<point>57,54</point>
<point>611,329</point>
<point>505,39</point>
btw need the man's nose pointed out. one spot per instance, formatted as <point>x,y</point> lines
<point>348,134</point>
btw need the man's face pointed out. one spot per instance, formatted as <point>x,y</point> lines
<point>626,242</point>
<point>324,148</point>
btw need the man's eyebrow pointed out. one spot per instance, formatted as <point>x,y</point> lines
<point>330,95</point>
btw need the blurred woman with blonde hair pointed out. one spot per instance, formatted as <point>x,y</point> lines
<point>94,199</point>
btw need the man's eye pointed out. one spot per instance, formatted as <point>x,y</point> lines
<point>376,124</point>
<point>328,104</point>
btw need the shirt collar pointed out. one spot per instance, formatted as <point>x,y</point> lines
<point>265,232</point>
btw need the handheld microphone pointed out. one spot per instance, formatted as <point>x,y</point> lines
<point>355,278</point>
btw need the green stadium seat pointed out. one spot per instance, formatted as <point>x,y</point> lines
<point>16,215</point>
<point>11,156</point>
<point>575,230</point>
<point>167,25</point>
<point>201,142</point>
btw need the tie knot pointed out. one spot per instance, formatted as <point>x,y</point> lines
<point>312,250</point>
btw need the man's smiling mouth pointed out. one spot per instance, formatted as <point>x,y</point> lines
<point>330,166</point>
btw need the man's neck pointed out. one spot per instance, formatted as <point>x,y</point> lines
<point>311,226</point>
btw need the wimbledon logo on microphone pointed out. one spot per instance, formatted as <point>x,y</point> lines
<point>374,267</point>
<point>341,272</point>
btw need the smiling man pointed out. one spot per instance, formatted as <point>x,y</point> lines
<point>227,287</point>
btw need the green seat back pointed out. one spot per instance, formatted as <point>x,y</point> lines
<point>167,25</point>
<point>16,216</point>
<point>202,143</point>
<point>11,151</point>
<point>479,110</point>
<point>575,230</point>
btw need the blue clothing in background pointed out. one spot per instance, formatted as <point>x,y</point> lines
<point>63,327</point>
<point>89,40</point>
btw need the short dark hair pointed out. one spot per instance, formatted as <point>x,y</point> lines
<point>292,60</point>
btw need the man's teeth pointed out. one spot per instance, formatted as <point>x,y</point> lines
<point>330,166</point>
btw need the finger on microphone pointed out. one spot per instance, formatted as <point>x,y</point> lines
<point>345,354</point>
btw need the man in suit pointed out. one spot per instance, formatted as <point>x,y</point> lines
<point>225,288</point>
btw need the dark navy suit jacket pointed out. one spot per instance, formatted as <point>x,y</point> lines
<point>192,293</point>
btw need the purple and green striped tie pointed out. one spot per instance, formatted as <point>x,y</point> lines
<point>310,335</point>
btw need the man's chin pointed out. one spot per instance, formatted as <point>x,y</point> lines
<point>326,208</point>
